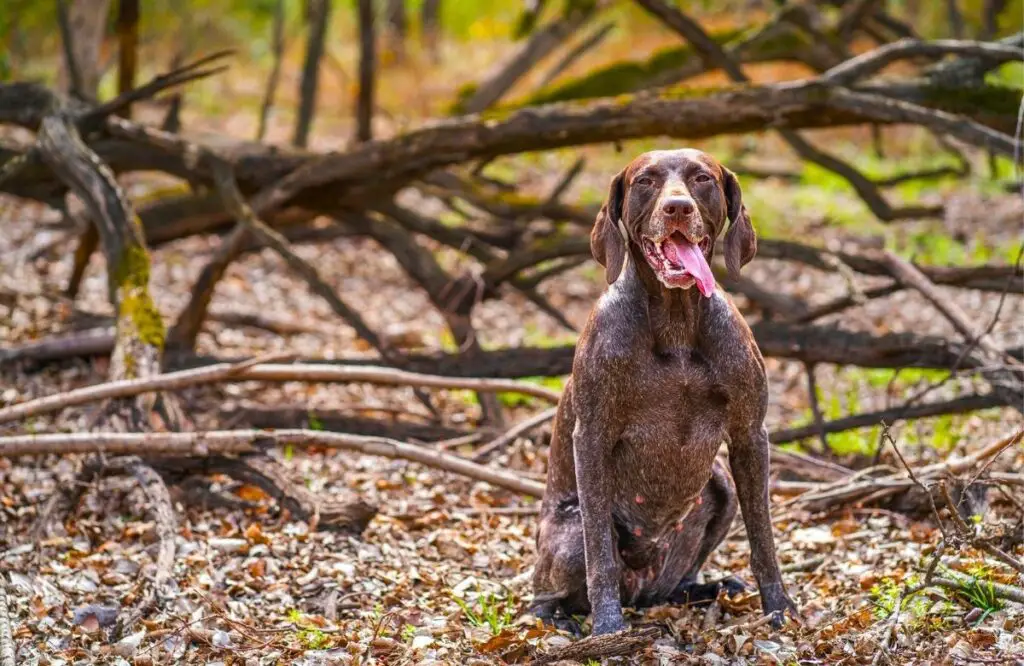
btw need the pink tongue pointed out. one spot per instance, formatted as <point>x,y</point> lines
<point>692,260</point>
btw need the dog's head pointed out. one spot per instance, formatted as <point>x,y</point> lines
<point>669,206</point>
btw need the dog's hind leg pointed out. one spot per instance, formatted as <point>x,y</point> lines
<point>560,576</point>
<point>719,504</point>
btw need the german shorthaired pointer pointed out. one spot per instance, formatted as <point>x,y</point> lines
<point>664,373</point>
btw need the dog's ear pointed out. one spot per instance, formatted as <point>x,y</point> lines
<point>740,239</point>
<point>608,238</point>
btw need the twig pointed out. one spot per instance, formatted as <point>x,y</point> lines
<point>513,433</point>
<point>157,444</point>
<point>970,535</point>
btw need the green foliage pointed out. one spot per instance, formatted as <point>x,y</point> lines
<point>980,594</point>
<point>314,422</point>
<point>920,613</point>
<point>489,611</point>
<point>308,634</point>
<point>408,633</point>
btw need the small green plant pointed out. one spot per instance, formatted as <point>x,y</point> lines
<point>489,611</point>
<point>886,594</point>
<point>408,632</point>
<point>308,635</point>
<point>980,594</point>
<point>314,422</point>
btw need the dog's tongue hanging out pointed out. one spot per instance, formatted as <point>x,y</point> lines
<point>689,257</point>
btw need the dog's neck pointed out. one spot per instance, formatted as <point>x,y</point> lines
<point>672,314</point>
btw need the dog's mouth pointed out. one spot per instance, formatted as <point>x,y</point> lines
<point>678,263</point>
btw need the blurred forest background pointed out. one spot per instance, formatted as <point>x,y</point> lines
<point>288,291</point>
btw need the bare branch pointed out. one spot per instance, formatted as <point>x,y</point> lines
<point>257,370</point>
<point>872,62</point>
<point>157,444</point>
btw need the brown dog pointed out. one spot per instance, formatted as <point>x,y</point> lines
<point>663,374</point>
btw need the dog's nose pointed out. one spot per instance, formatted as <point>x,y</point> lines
<point>678,206</point>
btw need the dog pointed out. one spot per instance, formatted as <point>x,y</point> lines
<point>666,369</point>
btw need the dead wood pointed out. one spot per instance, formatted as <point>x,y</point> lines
<point>202,444</point>
<point>349,514</point>
<point>159,506</point>
<point>959,405</point>
<point>6,635</point>
<point>540,44</point>
<point>1002,591</point>
<point>336,420</point>
<point>513,433</point>
<point>868,64</point>
<point>254,370</point>
<point>713,53</point>
<point>862,486</point>
<point>623,643</point>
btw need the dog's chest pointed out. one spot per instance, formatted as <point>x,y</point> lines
<point>676,424</point>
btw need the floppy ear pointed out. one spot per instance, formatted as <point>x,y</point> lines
<point>740,240</point>
<point>607,241</point>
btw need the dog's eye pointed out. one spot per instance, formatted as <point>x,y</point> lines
<point>644,181</point>
<point>703,178</point>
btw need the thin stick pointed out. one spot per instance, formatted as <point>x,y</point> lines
<point>256,370</point>
<point>124,388</point>
<point>512,433</point>
<point>156,444</point>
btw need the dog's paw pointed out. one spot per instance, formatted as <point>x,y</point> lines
<point>733,586</point>
<point>551,615</point>
<point>776,602</point>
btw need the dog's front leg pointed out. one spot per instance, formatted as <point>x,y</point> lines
<point>592,444</point>
<point>748,459</point>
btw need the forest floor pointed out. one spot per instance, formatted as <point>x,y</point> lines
<point>442,573</point>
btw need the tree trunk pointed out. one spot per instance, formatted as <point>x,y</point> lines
<point>88,23</point>
<point>397,28</point>
<point>540,45</point>
<point>128,46</point>
<point>318,12</point>
<point>275,72</point>
<point>364,101</point>
<point>430,22</point>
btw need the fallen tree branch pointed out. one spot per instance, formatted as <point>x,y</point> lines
<point>165,526</point>
<point>158,444</point>
<point>623,643</point>
<point>6,636</point>
<point>267,372</point>
<point>868,64</point>
<point>960,405</point>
